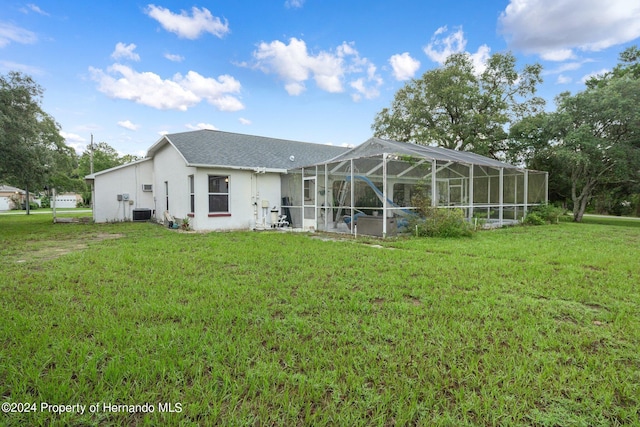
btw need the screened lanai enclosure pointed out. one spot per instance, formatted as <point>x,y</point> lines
<point>369,189</point>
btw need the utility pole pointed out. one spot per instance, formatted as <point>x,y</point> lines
<point>91,156</point>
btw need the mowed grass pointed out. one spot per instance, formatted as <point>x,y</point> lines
<point>518,326</point>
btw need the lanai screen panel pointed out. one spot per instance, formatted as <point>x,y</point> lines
<point>367,185</point>
<point>481,187</point>
<point>406,177</point>
<point>291,188</point>
<point>324,211</point>
<point>512,192</point>
<point>486,191</point>
<point>452,180</point>
<point>537,187</point>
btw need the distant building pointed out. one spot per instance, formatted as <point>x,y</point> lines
<point>9,196</point>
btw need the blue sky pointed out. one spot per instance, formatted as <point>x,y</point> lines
<point>308,70</point>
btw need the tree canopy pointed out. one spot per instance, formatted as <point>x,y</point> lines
<point>591,143</point>
<point>455,107</point>
<point>104,157</point>
<point>34,154</point>
<point>33,151</point>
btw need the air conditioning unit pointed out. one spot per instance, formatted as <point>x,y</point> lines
<point>147,187</point>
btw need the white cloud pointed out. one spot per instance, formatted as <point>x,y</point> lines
<point>214,91</point>
<point>179,93</point>
<point>125,51</point>
<point>244,121</point>
<point>173,57</point>
<point>367,87</point>
<point>27,69</point>
<point>188,27</point>
<point>553,29</point>
<point>127,124</point>
<point>74,141</point>
<point>291,62</point>
<point>295,65</point>
<point>11,33</point>
<point>440,48</point>
<point>599,73</point>
<point>295,88</point>
<point>480,58</point>
<point>72,137</point>
<point>201,126</point>
<point>294,4</point>
<point>566,67</point>
<point>36,9</point>
<point>404,66</point>
<point>558,55</point>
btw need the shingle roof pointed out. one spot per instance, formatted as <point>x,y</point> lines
<point>10,189</point>
<point>377,146</point>
<point>217,148</point>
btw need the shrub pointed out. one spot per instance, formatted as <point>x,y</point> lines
<point>442,222</point>
<point>533,218</point>
<point>437,222</point>
<point>544,214</point>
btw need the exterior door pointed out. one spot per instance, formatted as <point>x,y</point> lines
<point>309,203</point>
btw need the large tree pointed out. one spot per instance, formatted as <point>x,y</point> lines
<point>591,143</point>
<point>103,157</point>
<point>456,107</point>
<point>30,142</point>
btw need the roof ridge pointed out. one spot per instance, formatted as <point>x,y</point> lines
<point>251,135</point>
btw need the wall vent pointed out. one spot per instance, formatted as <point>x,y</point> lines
<point>147,187</point>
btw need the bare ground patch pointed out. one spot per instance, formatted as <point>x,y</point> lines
<point>52,249</point>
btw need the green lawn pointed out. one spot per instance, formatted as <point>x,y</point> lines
<point>518,326</point>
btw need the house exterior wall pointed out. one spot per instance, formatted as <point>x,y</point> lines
<point>170,182</point>
<point>124,180</point>
<point>247,192</point>
<point>252,194</point>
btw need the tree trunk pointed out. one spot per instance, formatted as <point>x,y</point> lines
<point>579,206</point>
<point>581,201</point>
<point>27,207</point>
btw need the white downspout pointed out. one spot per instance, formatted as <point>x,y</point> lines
<point>501,196</point>
<point>384,194</point>
<point>471,171</point>
<point>434,182</point>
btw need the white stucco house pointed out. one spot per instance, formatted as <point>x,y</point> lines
<point>228,181</point>
<point>219,180</point>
